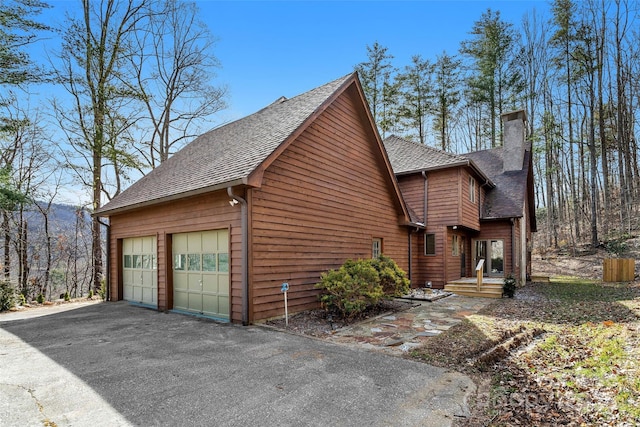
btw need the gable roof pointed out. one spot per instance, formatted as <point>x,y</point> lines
<point>409,157</point>
<point>506,190</point>
<point>227,155</point>
<point>238,152</point>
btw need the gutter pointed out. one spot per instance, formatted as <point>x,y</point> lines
<point>244,225</point>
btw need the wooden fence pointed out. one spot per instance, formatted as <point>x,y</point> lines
<point>618,270</point>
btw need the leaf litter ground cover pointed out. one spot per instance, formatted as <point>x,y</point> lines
<point>561,353</point>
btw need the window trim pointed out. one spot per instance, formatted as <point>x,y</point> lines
<point>455,245</point>
<point>433,236</point>
<point>472,189</point>
<point>376,242</point>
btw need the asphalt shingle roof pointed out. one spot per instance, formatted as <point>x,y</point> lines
<point>226,154</point>
<point>407,157</point>
<point>506,200</point>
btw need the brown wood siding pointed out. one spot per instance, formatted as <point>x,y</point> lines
<point>429,267</point>
<point>470,213</point>
<point>200,213</point>
<point>322,201</point>
<point>442,203</point>
<point>412,188</point>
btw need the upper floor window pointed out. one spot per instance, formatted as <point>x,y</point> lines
<point>376,248</point>
<point>472,189</point>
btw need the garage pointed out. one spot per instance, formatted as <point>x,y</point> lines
<point>140,271</point>
<point>201,273</point>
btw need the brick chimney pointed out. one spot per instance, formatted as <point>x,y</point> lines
<point>513,125</point>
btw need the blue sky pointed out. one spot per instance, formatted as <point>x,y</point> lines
<point>270,49</point>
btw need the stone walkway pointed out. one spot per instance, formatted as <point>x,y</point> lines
<point>402,331</point>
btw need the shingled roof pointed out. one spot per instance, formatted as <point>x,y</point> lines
<point>408,157</point>
<point>506,190</point>
<point>506,200</point>
<point>227,155</point>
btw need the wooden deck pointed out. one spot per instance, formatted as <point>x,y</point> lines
<point>491,287</point>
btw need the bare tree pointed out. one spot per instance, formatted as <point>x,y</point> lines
<point>174,66</point>
<point>94,71</point>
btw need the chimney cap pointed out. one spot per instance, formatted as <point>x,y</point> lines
<point>514,115</point>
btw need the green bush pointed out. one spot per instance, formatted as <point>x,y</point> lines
<point>67,297</point>
<point>509,286</point>
<point>103,290</point>
<point>7,296</point>
<point>393,279</point>
<point>359,285</point>
<point>40,299</point>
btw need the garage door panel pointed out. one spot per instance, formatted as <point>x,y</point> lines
<point>180,300</point>
<point>201,277</point>
<point>210,304</point>
<point>194,282</point>
<point>140,272</point>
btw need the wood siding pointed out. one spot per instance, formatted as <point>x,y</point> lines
<point>322,201</point>
<point>200,213</point>
<point>448,205</point>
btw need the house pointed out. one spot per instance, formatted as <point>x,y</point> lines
<point>472,207</point>
<point>276,197</point>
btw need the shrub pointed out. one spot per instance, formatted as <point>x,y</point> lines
<point>7,296</point>
<point>359,285</point>
<point>67,297</point>
<point>509,286</point>
<point>393,279</point>
<point>40,299</point>
<point>103,289</point>
<point>90,293</point>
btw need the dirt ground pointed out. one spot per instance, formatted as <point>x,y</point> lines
<point>585,262</point>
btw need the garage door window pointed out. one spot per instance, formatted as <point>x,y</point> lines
<point>201,262</point>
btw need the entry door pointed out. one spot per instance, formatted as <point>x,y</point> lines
<point>492,251</point>
<point>140,270</point>
<point>201,273</point>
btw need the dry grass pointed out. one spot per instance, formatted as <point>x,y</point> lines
<point>560,353</point>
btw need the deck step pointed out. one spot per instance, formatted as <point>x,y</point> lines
<point>487,290</point>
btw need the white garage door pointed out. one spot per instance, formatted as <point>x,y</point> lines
<point>201,273</point>
<point>140,270</point>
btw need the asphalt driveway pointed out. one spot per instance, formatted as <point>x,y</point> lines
<point>115,364</point>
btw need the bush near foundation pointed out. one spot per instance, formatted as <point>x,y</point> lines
<point>359,285</point>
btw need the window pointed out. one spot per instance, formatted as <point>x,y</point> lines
<point>472,189</point>
<point>455,245</point>
<point>376,248</point>
<point>430,244</point>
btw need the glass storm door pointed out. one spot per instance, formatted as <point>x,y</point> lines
<point>492,251</point>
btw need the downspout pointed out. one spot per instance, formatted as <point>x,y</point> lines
<point>426,188</point>
<point>410,256</point>
<point>244,225</point>
<point>513,247</point>
<point>107,283</point>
